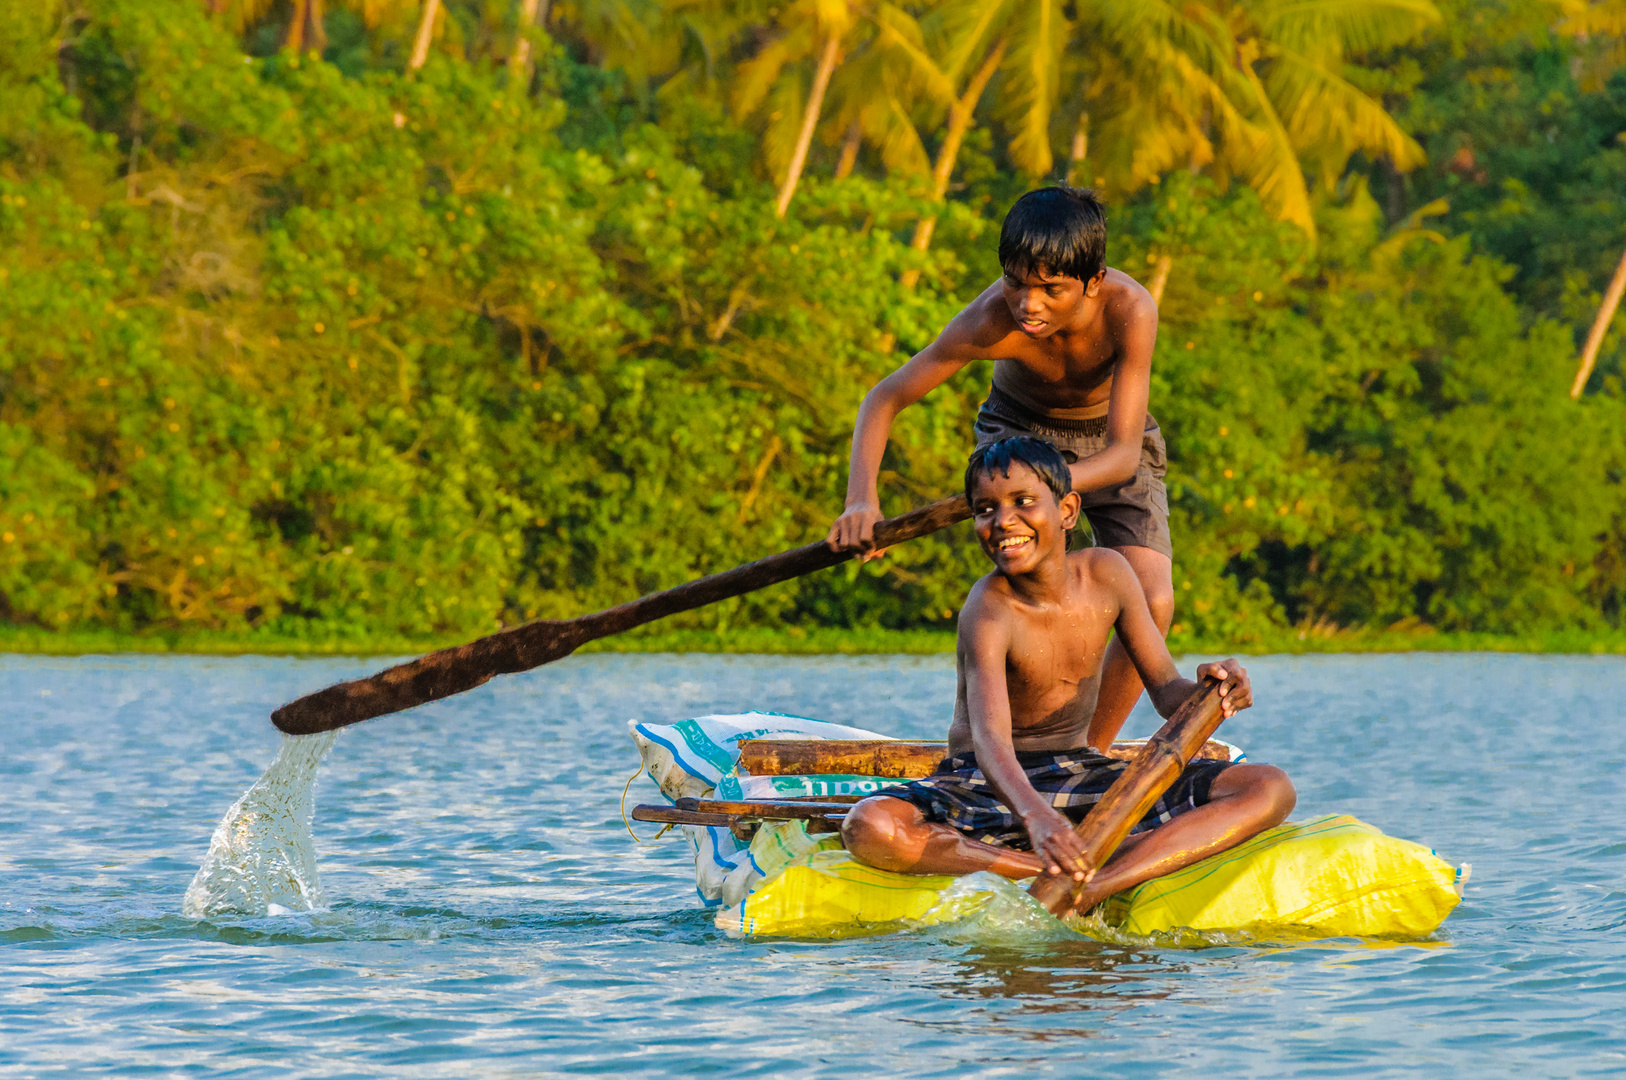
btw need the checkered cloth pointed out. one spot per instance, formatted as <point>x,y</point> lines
<point>958,794</point>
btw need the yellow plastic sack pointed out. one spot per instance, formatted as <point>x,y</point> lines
<point>831,894</point>
<point>1334,876</point>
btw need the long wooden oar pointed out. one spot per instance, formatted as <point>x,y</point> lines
<point>1149,775</point>
<point>452,671</point>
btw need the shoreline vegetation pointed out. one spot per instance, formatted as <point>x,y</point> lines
<point>798,641</point>
<point>358,328</point>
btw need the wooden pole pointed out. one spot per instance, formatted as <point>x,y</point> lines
<point>1600,327</point>
<point>452,671</point>
<point>1149,775</point>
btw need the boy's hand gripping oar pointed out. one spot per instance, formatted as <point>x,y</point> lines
<point>1149,775</point>
<point>451,671</point>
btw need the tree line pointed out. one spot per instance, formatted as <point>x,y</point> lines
<point>335,320</point>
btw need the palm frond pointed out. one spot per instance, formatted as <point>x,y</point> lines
<point>1328,116</point>
<point>960,32</point>
<point>755,78</point>
<point>1349,26</point>
<point>1032,77</point>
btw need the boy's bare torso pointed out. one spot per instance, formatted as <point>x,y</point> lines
<point>1069,369</point>
<point>1053,666</point>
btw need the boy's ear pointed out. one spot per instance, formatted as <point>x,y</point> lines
<point>1092,287</point>
<point>1071,504</point>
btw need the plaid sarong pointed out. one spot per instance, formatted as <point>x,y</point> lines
<point>958,794</point>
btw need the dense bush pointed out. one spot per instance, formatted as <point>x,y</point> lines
<point>344,354</point>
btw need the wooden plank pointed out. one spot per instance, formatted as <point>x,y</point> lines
<point>876,757</point>
<point>892,759</point>
<point>671,815</point>
<point>821,822</point>
<point>766,808</point>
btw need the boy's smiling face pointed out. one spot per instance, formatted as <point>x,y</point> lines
<point>1018,520</point>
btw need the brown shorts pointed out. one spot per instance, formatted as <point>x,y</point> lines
<point>1134,514</point>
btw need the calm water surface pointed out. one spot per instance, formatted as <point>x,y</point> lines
<point>491,916</point>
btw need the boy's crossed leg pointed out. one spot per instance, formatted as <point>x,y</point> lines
<point>1244,800</point>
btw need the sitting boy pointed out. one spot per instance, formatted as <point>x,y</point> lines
<point>1019,773</point>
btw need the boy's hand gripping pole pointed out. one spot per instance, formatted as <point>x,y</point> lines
<point>452,671</point>
<point>1157,766</point>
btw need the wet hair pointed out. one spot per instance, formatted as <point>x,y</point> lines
<point>1036,454</point>
<point>1062,230</point>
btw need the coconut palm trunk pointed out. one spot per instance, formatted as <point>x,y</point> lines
<point>810,120</point>
<point>961,114</point>
<point>296,27</point>
<point>530,13</point>
<point>1080,151</point>
<point>426,30</point>
<point>1600,327</point>
<point>849,150</point>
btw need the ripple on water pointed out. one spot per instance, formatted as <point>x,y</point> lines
<point>487,914</point>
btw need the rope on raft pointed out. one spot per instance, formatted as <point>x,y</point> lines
<point>627,821</point>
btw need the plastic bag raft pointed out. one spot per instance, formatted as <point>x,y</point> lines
<point>1332,876</point>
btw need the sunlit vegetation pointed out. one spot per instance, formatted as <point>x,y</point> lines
<point>302,340</point>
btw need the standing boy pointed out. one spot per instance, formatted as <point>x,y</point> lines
<point>1032,638</point>
<point>1071,340</point>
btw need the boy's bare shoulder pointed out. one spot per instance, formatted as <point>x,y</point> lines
<point>984,324</point>
<point>990,594</point>
<point>1103,568</point>
<point>1127,299</point>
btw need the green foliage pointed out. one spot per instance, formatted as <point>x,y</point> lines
<point>1526,137</point>
<point>1370,437</point>
<point>320,351</point>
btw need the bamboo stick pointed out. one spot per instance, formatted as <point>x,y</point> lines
<point>1148,776</point>
<point>452,671</point>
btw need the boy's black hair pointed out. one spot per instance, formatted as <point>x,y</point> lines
<point>1036,454</point>
<point>1059,229</point>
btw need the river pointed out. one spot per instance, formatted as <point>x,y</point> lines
<point>488,913</point>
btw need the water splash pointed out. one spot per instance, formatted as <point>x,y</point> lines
<point>262,857</point>
<point>982,907</point>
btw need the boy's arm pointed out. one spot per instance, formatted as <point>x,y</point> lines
<point>1146,647</point>
<point>929,368</point>
<point>1135,322</point>
<point>983,647</point>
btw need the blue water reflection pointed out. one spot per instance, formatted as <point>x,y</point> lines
<point>491,916</point>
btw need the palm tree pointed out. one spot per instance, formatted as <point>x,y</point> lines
<point>807,28</point>
<point>633,35</point>
<point>1253,89</point>
<point>531,13</point>
<point>951,56</point>
<point>1605,20</point>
